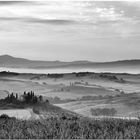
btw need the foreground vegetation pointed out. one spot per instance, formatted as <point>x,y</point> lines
<point>103,111</point>
<point>68,127</point>
<point>62,124</point>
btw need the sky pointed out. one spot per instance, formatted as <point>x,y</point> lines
<point>68,30</point>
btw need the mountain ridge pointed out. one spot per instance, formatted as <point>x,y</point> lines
<point>15,62</point>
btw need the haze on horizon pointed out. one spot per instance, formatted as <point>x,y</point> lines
<point>69,30</point>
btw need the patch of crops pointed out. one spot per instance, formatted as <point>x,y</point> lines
<point>68,127</point>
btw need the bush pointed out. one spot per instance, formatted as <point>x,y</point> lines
<point>103,111</point>
<point>4,116</point>
<point>55,75</point>
<point>82,74</point>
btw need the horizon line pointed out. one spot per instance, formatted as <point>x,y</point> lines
<point>81,60</point>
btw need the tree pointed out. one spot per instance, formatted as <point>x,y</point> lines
<point>16,96</point>
<point>35,99</point>
<point>40,98</point>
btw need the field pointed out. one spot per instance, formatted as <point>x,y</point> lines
<point>126,107</point>
<point>69,127</point>
<point>70,85</point>
<point>81,105</point>
<point>79,92</point>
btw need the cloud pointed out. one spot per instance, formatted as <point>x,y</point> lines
<point>9,18</point>
<point>4,3</point>
<point>127,29</point>
<point>63,12</point>
<point>51,21</point>
<point>109,14</point>
<point>38,20</point>
<point>103,16</point>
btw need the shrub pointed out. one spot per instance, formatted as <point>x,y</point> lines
<point>103,111</point>
<point>4,116</point>
<point>55,75</point>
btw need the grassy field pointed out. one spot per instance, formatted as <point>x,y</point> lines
<point>76,86</point>
<point>57,123</point>
<point>69,127</point>
<point>126,105</point>
<point>23,114</point>
<point>72,85</point>
<point>109,114</point>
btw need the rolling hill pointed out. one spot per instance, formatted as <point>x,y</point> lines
<point>10,61</point>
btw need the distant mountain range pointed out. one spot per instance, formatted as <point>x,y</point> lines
<point>13,62</point>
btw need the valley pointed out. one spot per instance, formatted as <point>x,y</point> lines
<point>79,92</point>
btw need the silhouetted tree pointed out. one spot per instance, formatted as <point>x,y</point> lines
<point>40,98</point>
<point>47,101</point>
<point>16,96</point>
<point>35,99</point>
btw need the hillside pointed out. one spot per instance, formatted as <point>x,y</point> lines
<point>9,61</point>
<point>80,105</point>
<point>29,106</point>
<point>50,122</point>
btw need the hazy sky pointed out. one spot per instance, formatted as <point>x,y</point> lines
<point>70,30</point>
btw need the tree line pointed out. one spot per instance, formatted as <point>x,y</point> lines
<point>26,97</point>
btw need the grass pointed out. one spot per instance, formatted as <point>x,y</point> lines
<point>58,123</point>
<point>69,127</point>
<point>103,111</point>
